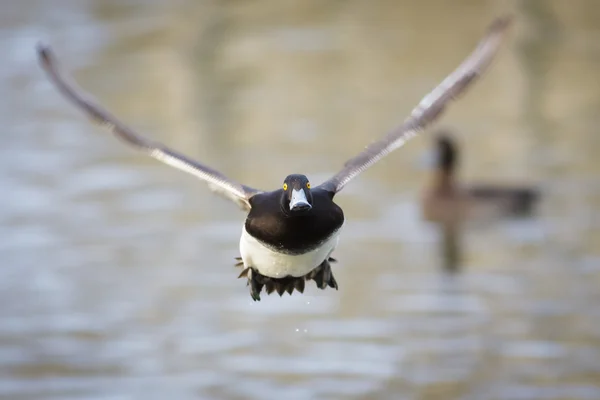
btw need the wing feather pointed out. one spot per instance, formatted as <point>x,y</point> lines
<point>429,108</point>
<point>217,182</point>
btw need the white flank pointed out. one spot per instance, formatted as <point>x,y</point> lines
<point>278,265</point>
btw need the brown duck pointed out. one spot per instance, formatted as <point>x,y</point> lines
<point>445,200</point>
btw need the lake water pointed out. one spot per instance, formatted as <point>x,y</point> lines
<point>116,272</point>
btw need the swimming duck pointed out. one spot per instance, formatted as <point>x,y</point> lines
<point>445,200</point>
<point>290,233</point>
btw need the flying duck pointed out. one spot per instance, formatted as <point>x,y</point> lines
<point>448,201</point>
<point>290,233</point>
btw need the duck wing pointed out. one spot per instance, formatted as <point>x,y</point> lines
<point>429,109</point>
<point>217,182</point>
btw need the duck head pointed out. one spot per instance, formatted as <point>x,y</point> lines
<point>446,153</point>
<point>296,197</point>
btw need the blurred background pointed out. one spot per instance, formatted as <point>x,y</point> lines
<point>116,272</point>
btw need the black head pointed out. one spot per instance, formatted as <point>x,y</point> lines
<point>296,197</point>
<point>446,153</point>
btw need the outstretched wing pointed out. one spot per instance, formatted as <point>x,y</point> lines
<point>429,109</point>
<point>218,182</point>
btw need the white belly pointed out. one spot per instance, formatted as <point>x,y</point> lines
<point>277,265</point>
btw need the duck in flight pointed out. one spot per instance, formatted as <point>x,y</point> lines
<point>290,233</point>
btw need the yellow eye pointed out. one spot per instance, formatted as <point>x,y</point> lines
<point>285,186</point>
<point>308,185</point>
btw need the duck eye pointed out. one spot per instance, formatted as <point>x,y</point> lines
<point>308,185</point>
<point>285,186</point>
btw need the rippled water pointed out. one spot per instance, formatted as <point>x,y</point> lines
<point>117,276</point>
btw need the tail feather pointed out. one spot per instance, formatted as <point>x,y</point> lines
<point>322,276</point>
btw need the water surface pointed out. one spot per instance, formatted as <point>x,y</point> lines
<point>117,276</point>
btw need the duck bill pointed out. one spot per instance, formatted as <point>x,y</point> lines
<point>299,202</point>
